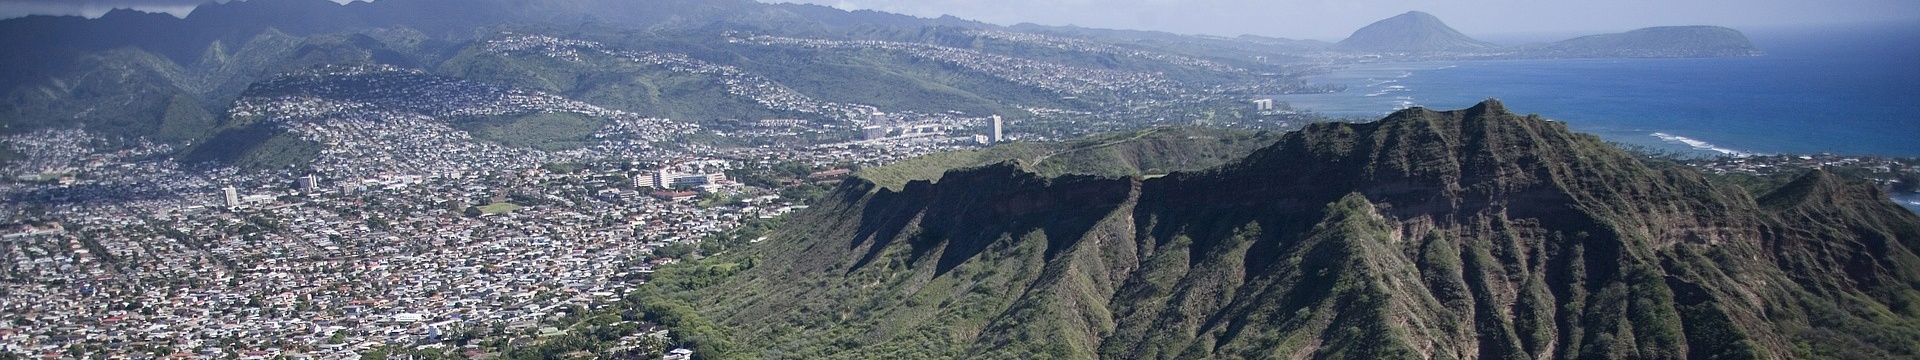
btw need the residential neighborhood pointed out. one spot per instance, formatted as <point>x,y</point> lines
<point>402,233</point>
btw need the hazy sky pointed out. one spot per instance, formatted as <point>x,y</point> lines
<point>91,8</point>
<point>1312,19</point>
<point>1335,19</point>
<point>94,8</point>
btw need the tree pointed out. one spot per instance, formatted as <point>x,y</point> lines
<point>675,251</point>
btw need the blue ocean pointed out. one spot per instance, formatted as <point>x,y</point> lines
<point>1851,90</point>
<point>1838,89</point>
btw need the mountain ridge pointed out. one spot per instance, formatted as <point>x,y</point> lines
<point>1474,233</point>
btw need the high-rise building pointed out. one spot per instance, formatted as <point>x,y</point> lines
<point>308,182</point>
<point>662,179</point>
<point>233,196</point>
<point>1263,104</point>
<point>873,132</point>
<point>645,181</point>
<point>689,180</point>
<point>998,134</point>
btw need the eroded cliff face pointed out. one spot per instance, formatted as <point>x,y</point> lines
<point>1460,234</point>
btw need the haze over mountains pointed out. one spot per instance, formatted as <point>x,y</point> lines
<point>1666,41</point>
<point>131,74</point>
<point>1417,32</point>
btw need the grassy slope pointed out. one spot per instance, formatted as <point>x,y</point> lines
<point>1134,153</point>
<point>255,146</point>
<point>544,131</point>
<point>499,208</point>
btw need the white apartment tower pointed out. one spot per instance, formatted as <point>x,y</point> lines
<point>308,182</point>
<point>233,197</point>
<point>998,134</point>
<point>644,180</point>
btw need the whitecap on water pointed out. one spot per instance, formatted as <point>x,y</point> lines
<point>1697,144</point>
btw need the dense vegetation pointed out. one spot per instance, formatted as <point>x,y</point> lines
<point>1464,234</point>
<point>8,155</point>
<point>255,146</point>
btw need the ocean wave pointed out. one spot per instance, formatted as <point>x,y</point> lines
<point>1697,144</point>
<point>1387,90</point>
<point>1909,200</point>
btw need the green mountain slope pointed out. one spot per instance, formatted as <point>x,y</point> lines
<point>1463,234</point>
<point>601,75</point>
<point>120,93</point>
<point>129,93</point>
<point>259,129</point>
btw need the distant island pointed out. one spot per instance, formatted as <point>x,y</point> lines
<point>1653,42</point>
<point>1419,33</point>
